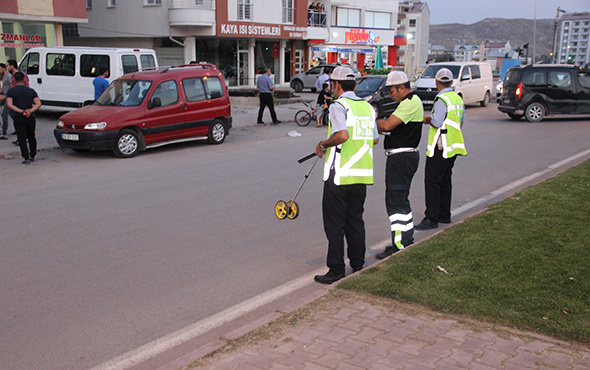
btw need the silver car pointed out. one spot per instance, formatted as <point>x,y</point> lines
<point>306,80</point>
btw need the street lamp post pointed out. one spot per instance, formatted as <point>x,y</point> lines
<point>554,52</point>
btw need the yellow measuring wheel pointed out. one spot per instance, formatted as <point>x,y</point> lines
<point>281,210</point>
<point>293,210</point>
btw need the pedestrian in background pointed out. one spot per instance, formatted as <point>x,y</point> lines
<point>324,98</point>
<point>6,80</point>
<point>322,79</point>
<point>348,169</point>
<point>100,82</point>
<point>445,143</point>
<point>265,87</point>
<point>403,131</point>
<point>23,102</point>
<point>13,68</point>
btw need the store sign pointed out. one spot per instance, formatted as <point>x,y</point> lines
<point>360,37</point>
<point>12,40</point>
<point>260,30</point>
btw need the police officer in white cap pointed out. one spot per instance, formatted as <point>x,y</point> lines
<point>445,143</point>
<point>402,130</point>
<point>348,170</point>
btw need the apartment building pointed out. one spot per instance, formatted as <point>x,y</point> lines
<point>29,23</point>
<point>572,39</point>
<point>414,24</point>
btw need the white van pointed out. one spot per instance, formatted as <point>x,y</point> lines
<point>62,76</point>
<point>473,81</point>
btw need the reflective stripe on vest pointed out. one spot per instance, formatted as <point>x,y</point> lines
<point>452,141</point>
<point>353,160</point>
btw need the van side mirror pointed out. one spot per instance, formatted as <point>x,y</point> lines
<point>155,102</point>
<point>465,77</point>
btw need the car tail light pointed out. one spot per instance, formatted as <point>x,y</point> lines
<point>519,91</point>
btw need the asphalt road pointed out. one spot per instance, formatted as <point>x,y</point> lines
<point>102,255</point>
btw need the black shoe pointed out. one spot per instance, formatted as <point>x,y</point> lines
<point>277,122</point>
<point>260,123</point>
<point>4,137</point>
<point>32,159</point>
<point>27,161</point>
<point>356,269</point>
<point>426,224</point>
<point>14,133</point>
<point>15,142</point>
<point>389,250</point>
<point>329,278</point>
<point>444,220</point>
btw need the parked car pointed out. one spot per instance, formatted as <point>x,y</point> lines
<point>373,90</point>
<point>151,108</point>
<point>471,80</point>
<point>499,87</point>
<point>535,91</point>
<point>306,80</point>
<point>62,76</point>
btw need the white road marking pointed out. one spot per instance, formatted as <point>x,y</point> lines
<point>183,335</point>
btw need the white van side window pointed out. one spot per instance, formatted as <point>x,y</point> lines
<point>129,63</point>
<point>91,63</point>
<point>147,61</point>
<point>60,64</point>
<point>475,72</point>
<point>30,65</point>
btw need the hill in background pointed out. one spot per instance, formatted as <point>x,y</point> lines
<point>517,31</point>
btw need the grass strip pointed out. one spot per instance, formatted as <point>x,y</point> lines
<point>524,262</point>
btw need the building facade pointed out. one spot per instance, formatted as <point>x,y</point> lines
<point>573,38</point>
<point>29,23</point>
<point>414,25</point>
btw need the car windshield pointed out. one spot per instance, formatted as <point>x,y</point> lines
<point>124,93</point>
<point>368,85</point>
<point>430,72</point>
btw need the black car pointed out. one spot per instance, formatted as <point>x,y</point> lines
<point>373,90</point>
<point>535,91</point>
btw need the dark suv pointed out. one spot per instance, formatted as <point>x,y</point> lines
<point>539,90</point>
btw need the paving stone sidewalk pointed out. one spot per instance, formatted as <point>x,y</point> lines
<point>364,334</point>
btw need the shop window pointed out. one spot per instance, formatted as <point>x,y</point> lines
<point>129,63</point>
<point>377,20</point>
<point>167,92</point>
<point>348,17</point>
<point>193,89</point>
<point>91,63</point>
<point>60,64</point>
<point>214,87</point>
<point>244,10</point>
<point>288,11</point>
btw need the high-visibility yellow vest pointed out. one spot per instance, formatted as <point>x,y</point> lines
<point>353,160</point>
<point>450,131</point>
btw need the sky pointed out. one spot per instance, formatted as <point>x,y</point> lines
<point>471,11</point>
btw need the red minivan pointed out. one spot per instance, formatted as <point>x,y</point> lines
<point>151,108</point>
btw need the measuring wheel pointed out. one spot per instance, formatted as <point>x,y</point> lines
<point>293,210</point>
<point>281,210</point>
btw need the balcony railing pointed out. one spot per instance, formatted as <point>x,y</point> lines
<point>316,19</point>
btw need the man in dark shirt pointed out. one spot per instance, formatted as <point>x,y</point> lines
<point>23,102</point>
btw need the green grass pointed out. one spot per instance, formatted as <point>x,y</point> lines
<point>525,262</point>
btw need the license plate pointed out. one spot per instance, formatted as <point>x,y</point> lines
<point>72,137</point>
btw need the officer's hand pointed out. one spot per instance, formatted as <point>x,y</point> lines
<point>319,150</point>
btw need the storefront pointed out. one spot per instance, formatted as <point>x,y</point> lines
<point>354,46</point>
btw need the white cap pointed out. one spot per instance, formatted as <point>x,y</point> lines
<point>396,78</point>
<point>444,75</point>
<point>342,74</point>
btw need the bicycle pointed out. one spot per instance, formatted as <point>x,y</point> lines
<point>305,116</point>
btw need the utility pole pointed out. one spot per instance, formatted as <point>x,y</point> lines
<point>555,44</point>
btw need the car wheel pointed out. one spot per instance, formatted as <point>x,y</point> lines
<point>217,132</point>
<point>534,112</point>
<point>515,117</point>
<point>297,85</point>
<point>128,144</point>
<point>486,100</point>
